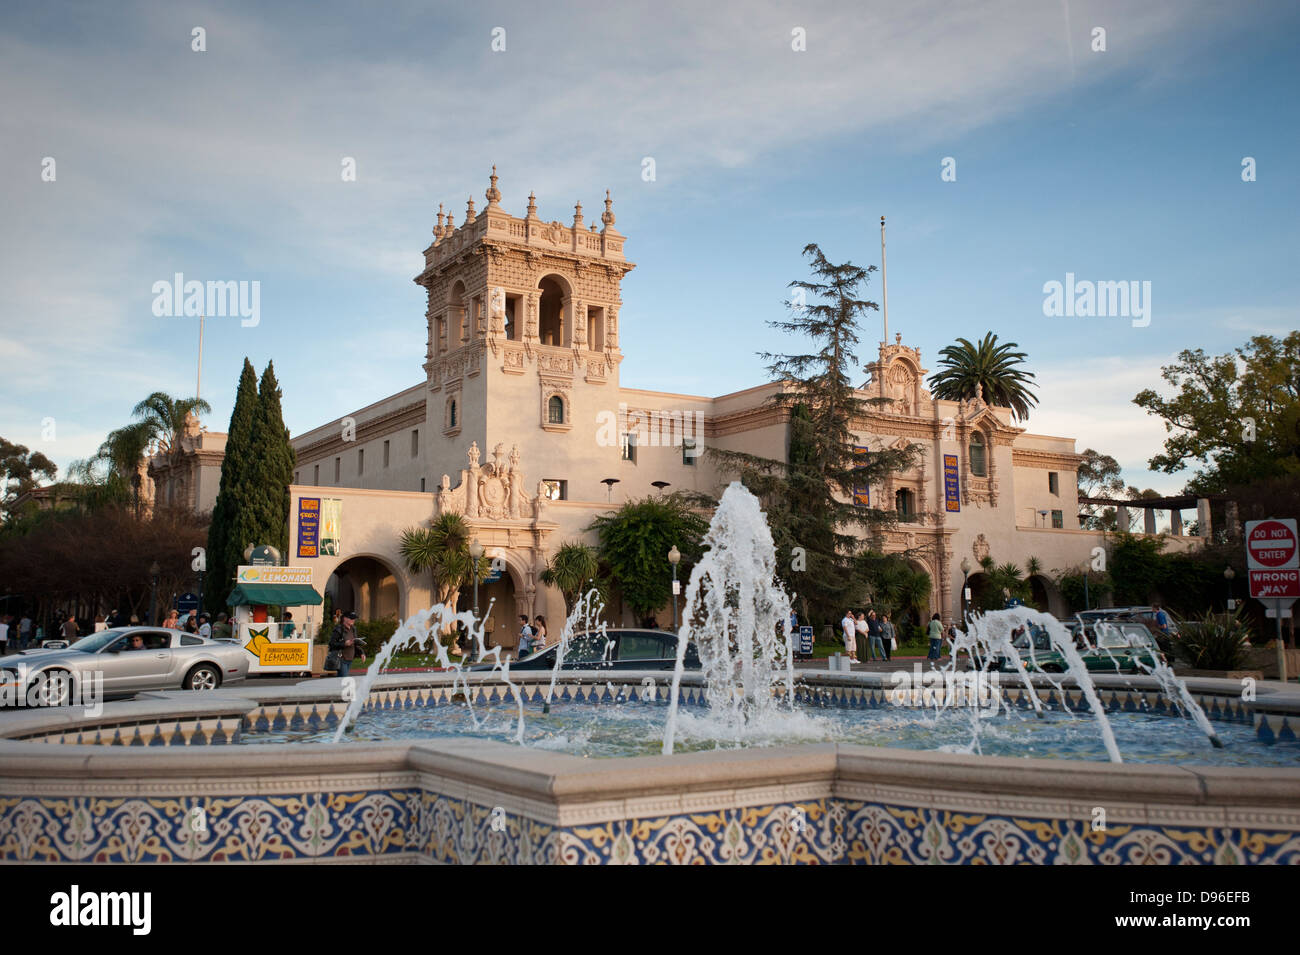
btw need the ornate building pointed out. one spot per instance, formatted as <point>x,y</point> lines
<point>522,352</point>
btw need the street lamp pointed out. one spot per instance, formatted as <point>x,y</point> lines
<point>674,556</point>
<point>154,571</point>
<point>475,552</point>
<point>1228,574</point>
<point>965,574</point>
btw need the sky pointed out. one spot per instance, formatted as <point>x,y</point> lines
<point>1005,148</point>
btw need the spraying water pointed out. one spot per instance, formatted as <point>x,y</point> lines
<point>586,620</point>
<point>739,619</point>
<point>990,636</point>
<point>422,630</point>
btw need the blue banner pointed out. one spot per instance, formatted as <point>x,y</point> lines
<point>308,526</point>
<point>951,484</point>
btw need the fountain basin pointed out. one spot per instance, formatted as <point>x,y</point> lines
<point>175,790</point>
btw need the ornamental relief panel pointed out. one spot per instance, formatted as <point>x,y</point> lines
<point>555,364</point>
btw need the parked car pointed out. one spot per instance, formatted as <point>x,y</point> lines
<point>1143,615</point>
<point>167,660</point>
<point>1108,646</point>
<point>612,650</point>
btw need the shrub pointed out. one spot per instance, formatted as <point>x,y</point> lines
<point>1216,642</point>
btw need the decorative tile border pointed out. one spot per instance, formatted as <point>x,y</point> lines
<point>413,824</point>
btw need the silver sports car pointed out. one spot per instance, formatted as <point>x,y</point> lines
<point>128,660</point>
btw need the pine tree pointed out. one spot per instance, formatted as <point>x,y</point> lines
<point>809,496</point>
<point>227,533</point>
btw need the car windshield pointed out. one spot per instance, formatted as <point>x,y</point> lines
<point>1117,635</point>
<point>96,641</point>
<point>1041,640</point>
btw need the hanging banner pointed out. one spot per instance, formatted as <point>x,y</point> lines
<point>951,484</point>
<point>861,492</point>
<point>331,518</point>
<point>308,526</point>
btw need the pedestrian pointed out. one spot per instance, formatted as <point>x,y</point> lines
<point>4,634</point>
<point>69,629</point>
<point>889,636</point>
<point>860,625</point>
<point>24,632</point>
<point>192,624</point>
<point>100,625</point>
<point>221,629</point>
<point>1162,620</point>
<point>287,627</point>
<point>936,638</point>
<point>849,631</point>
<point>172,620</point>
<point>344,640</point>
<point>205,628</point>
<point>876,634</point>
<point>539,628</point>
<point>526,636</point>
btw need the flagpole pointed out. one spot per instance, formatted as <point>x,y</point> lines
<point>198,385</point>
<point>884,279</point>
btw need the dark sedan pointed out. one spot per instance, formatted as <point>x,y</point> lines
<point>614,650</point>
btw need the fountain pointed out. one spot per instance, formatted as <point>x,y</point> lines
<point>739,619</point>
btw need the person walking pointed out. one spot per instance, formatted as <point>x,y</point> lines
<point>526,635</point>
<point>4,634</point>
<point>876,633</point>
<point>860,639</point>
<point>936,639</point>
<point>25,632</point>
<point>344,640</point>
<point>100,624</point>
<point>539,628</point>
<point>849,631</point>
<point>69,629</point>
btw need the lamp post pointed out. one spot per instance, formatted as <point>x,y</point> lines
<point>154,571</point>
<point>1228,574</point>
<point>674,557</point>
<point>475,552</point>
<point>965,575</point>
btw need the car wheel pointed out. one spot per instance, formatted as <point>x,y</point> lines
<point>54,688</point>
<point>203,677</point>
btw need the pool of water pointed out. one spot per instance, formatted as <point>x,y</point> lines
<point>636,729</point>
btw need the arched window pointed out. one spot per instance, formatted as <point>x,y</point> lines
<point>905,504</point>
<point>555,410</point>
<point>978,455</point>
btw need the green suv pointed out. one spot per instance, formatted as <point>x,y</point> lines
<point>1107,646</point>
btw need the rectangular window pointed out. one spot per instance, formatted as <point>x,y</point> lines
<point>421,485</point>
<point>415,443</point>
<point>1053,484</point>
<point>315,474</point>
<point>627,442</point>
<point>556,490</point>
<point>295,477</point>
<point>1058,519</point>
<point>385,454</point>
<point>337,463</point>
<point>361,460</point>
<point>689,452</point>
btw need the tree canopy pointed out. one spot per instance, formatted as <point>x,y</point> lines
<point>1235,415</point>
<point>635,541</point>
<point>966,369</point>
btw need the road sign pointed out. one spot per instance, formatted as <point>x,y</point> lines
<point>805,643</point>
<point>1271,545</point>
<point>1268,584</point>
<point>187,602</point>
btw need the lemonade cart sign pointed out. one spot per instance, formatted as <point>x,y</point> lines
<point>273,575</point>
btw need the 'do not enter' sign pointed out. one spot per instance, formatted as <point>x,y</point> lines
<point>1271,544</point>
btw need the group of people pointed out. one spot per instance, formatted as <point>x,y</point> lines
<point>868,636</point>
<point>531,638</point>
<point>24,633</point>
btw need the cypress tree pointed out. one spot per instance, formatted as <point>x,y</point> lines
<point>273,465</point>
<point>227,533</point>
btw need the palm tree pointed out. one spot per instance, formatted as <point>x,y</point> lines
<point>165,417</point>
<point>967,368</point>
<point>570,569</point>
<point>123,451</point>
<point>442,548</point>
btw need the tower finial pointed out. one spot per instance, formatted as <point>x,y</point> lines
<point>438,229</point>
<point>493,195</point>
<point>577,215</point>
<point>532,205</point>
<point>469,211</point>
<point>607,216</point>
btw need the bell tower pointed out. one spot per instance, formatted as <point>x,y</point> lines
<point>522,319</point>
